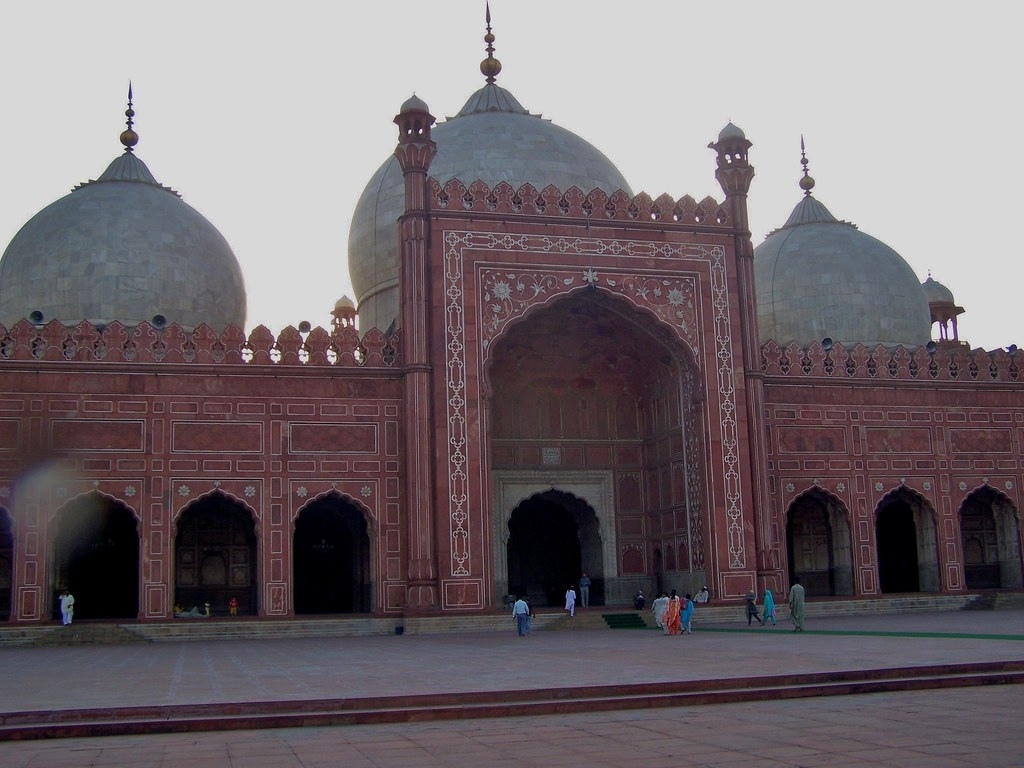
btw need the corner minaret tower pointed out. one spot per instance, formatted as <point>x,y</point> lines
<point>734,174</point>
<point>415,151</point>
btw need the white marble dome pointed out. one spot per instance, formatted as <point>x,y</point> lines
<point>492,139</point>
<point>818,277</point>
<point>121,248</point>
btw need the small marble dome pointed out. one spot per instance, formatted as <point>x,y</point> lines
<point>936,292</point>
<point>492,139</point>
<point>125,248</point>
<point>817,277</point>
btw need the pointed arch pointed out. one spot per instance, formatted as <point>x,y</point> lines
<point>590,380</point>
<point>96,556</point>
<point>818,543</point>
<point>333,565</point>
<point>216,554</point>
<point>990,537</point>
<point>906,541</point>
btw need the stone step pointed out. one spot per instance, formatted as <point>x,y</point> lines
<point>192,718</point>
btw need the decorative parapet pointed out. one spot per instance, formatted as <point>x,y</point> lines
<point>527,200</point>
<point>143,343</point>
<point>888,363</point>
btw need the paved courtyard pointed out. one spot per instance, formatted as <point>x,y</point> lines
<point>975,726</point>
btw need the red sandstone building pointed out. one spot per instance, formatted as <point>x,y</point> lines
<point>559,376</point>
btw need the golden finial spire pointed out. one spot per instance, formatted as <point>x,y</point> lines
<point>129,138</point>
<point>807,182</point>
<point>490,67</point>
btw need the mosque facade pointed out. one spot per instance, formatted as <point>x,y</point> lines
<point>543,374</point>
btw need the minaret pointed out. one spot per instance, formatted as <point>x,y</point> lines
<point>415,151</point>
<point>734,174</point>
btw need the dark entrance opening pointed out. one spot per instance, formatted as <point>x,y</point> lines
<point>897,548</point>
<point>331,555</point>
<point>544,556</point>
<point>96,549</point>
<point>215,556</point>
<point>809,539</point>
<point>6,564</point>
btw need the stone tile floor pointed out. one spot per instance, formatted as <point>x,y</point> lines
<point>978,726</point>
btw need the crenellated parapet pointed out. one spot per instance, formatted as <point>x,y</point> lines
<point>144,343</point>
<point>834,361</point>
<point>527,200</point>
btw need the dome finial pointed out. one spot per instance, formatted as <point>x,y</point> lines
<point>490,67</point>
<point>807,182</point>
<point>129,138</point>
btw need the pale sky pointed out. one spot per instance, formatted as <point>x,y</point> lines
<point>269,118</point>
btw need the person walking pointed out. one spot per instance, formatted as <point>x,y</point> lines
<point>769,606</point>
<point>585,590</point>
<point>658,607</point>
<point>796,605</point>
<point>752,608</point>
<point>570,601</point>
<point>672,614</point>
<point>521,613</point>
<point>67,607</point>
<point>685,614</point>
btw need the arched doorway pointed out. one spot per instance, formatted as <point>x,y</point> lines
<point>818,544</point>
<point>591,385</point>
<point>905,539</point>
<point>548,535</point>
<point>331,558</point>
<point>96,557</point>
<point>990,535</point>
<point>215,556</point>
<point>6,564</point>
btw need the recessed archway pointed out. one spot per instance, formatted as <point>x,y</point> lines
<point>818,544</point>
<point>96,557</point>
<point>552,539</point>
<point>592,385</point>
<point>990,536</point>
<point>331,558</point>
<point>215,556</point>
<point>905,538</point>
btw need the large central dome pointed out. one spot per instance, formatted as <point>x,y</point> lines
<point>492,139</point>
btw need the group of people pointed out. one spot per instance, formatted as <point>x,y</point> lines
<point>673,614</point>
<point>767,613</point>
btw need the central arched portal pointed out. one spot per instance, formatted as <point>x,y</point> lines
<point>552,539</point>
<point>331,556</point>
<point>594,402</point>
<point>906,539</point>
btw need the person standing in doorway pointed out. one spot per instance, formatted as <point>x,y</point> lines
<point>585,590</point>
<point>521,613</point>
<point>67,607</point>
<point>796,605</point>
<point>570,601</point>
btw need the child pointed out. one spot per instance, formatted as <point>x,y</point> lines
<point>233,606</point>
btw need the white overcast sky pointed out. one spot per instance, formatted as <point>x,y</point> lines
<point>269,118</point>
